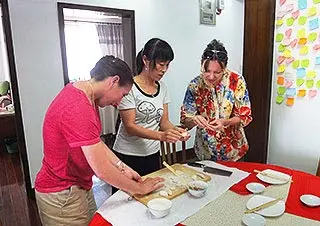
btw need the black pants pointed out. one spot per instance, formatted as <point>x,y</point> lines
<point>141,164</point>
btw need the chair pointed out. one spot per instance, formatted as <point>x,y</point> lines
<point>169,152</point>
<point>318,170</point>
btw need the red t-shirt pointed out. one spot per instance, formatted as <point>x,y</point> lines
<point>70,122</point>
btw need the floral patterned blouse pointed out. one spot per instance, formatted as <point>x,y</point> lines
<point>228,99</point>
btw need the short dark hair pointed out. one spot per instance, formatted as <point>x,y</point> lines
<point>155,50</point>
<point>215,50</point>
<point>109,66</point>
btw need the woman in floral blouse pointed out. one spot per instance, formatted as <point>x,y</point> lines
<point>217,102</point>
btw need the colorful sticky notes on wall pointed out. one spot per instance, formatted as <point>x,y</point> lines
<point>302,4</point>
<point>281,68</point>
<point>301,93</point>
<point>317,62</point>
<point>295,64</point>
<point>302,41</point>
<point>305,63</point>
<point>288,83</point>
<point>299,82</point>
<point>318,84</point>
<point>314,24</point>
<point>316,1</point>
<point>280,80</point>
<point>287,53</point>
<point>312,11</point>
<point>281,90</point>
<point>302,20</point>
<point>279,99</point>
<point>290,60</point>
<point>280,59</point>
<point>309,83</point>
<point>295,14</point>
<point>312,37</point>
<point>304,50</point>
<point>311,74</point>
<point>313,93</point>
<point>279,37</point>
<point>290,101</point>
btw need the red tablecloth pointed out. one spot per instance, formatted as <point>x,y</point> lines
<point>303,183</point>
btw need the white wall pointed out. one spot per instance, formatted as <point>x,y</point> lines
<point>294,131</point>
<point>38,55</point>
<point>4,69</point>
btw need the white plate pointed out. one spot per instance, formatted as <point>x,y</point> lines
<point>310,200</point>
<point>253,219</point>
<point>271,211</point>
<point>255,188</point>
<point>271,180</point>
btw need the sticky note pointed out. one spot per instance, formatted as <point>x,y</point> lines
<point>281,90</point>
<point>309,83</point>
<point>289,75</point>
<point>286,41</point>
<point>279,99</point>
<point>290,60</point>
<point>295,14</point>
<point>280,80</point>
<point>291,92</point>
<point>301,33</point>
<point>301,72</point>
<point>295,64</point>
<point>316,1</point>
<point>312,11</point>
<point>279,22</point>
<point>288,83</point>
<point>305,63</point>
<point>282,2</point>
<point>293,43</point>
<point>313,93</point>
<point>279,37</point>
<point>302,4</point>
<point>318,84</point>
<point>281,68</point>
<point>302,41</point>
<point>304,50</point>
<point>287,53</point>
<point>316,47</point>
<point>317,60</point>
<point>281,48</point>
<point>281,14</point>
<point>299,82</point>
<point>290,101</point>
<point>301,93</point>
<point>312,37</point>
<point>302,20</point>
<point>290,21</point>
<point>280,59</point>
<point>311,74</point>
<point>314,24</point>
<point>288,33</point>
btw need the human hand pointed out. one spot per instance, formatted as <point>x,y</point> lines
<point>185,135</point>
<point>150,184</point>
<point>172,135</point>
<point>201,122</point>
<point>218,124</point>
<point>130,173</point>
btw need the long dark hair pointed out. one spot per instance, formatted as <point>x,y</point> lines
<point>109,66</point>
<point>155,50</point>
<point>215,50</point>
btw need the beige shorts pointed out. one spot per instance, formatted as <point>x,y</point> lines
<point>73,206</point>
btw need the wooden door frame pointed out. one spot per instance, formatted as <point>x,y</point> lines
<point>16,97</point>
<point>123,12</point>
<point>257,70</point>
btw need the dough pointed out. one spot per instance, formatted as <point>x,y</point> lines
<point>163,193</point>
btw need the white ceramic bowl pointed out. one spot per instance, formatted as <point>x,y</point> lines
<point>255,188</point>
<point>253,219</point>
<point>197,188</point>
<point>310,200</point>
<point>159,207</point>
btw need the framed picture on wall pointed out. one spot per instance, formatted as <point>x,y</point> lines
<point>207,12</point>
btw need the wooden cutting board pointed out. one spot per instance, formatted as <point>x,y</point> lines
<point>172,182</point>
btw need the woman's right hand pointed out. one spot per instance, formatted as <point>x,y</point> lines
<point>150,184</point>
<point>171,135</point>
<point>201,122</point>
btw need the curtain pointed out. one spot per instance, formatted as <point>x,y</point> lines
<point>111,43</point>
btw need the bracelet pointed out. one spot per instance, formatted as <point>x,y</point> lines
<point>121,166</point>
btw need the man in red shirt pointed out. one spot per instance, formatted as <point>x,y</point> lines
<point>73,151</point>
